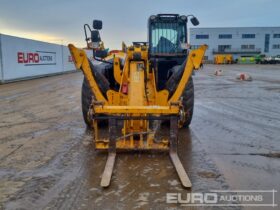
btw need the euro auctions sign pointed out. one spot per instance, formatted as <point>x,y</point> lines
<point>36,58</point>
<point>25,58</point>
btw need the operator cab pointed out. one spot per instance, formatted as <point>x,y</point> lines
<point>168,47</point>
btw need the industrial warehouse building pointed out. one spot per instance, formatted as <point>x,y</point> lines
<point>238,41</point>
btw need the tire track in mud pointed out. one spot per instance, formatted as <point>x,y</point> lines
<point>247,124</point>
<point>239,127</point>
<point>46,182</point>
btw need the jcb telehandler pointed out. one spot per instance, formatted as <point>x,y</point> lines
<point>141,84</point>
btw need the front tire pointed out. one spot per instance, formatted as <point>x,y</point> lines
<point>86,98</point>
<point>188,102</point>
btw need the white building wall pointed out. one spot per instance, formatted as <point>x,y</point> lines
<point>236,41</point>
<point>1,69</point>
<point>25,58</point>
<point>68,64</point>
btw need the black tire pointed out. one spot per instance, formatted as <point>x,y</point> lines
<point>188,102</point>
<point>100,79</point>
<point>87,95</point>
<point>188,93</point>
<point>86,98</point>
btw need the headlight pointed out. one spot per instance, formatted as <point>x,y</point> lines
<point>183,17</point>
<point>153,17</point>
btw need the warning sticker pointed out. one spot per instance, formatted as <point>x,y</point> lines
<point>136,76</point>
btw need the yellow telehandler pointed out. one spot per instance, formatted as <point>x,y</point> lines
<point>132,88</point>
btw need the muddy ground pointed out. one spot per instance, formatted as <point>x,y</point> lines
<point>47,159</point>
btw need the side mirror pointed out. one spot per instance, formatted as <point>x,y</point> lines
<point>194,21</point>
<point>97,24</point>
<point>95,36</point>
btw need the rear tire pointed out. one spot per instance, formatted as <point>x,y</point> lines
<point>188,102</point>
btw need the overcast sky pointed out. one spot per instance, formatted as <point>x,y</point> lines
<point>124,20</point>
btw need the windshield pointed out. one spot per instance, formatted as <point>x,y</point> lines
<point>166,37</point>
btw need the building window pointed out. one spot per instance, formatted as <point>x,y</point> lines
<point>223,48</point>
<point>276,46</point>
<point>247,46</point>
<point>205,58</point>
<point>225,36</point>
<point>276,35</point>
<point>266,43</point>
<point>248,36</point>
<point>202,36</point>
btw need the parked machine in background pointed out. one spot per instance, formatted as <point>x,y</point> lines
<point>138,87</point>
<point>247,59</point>
<point>259,58</point>
<point>270,60</point>
<point>223,59</point>
<point>277,59</point>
